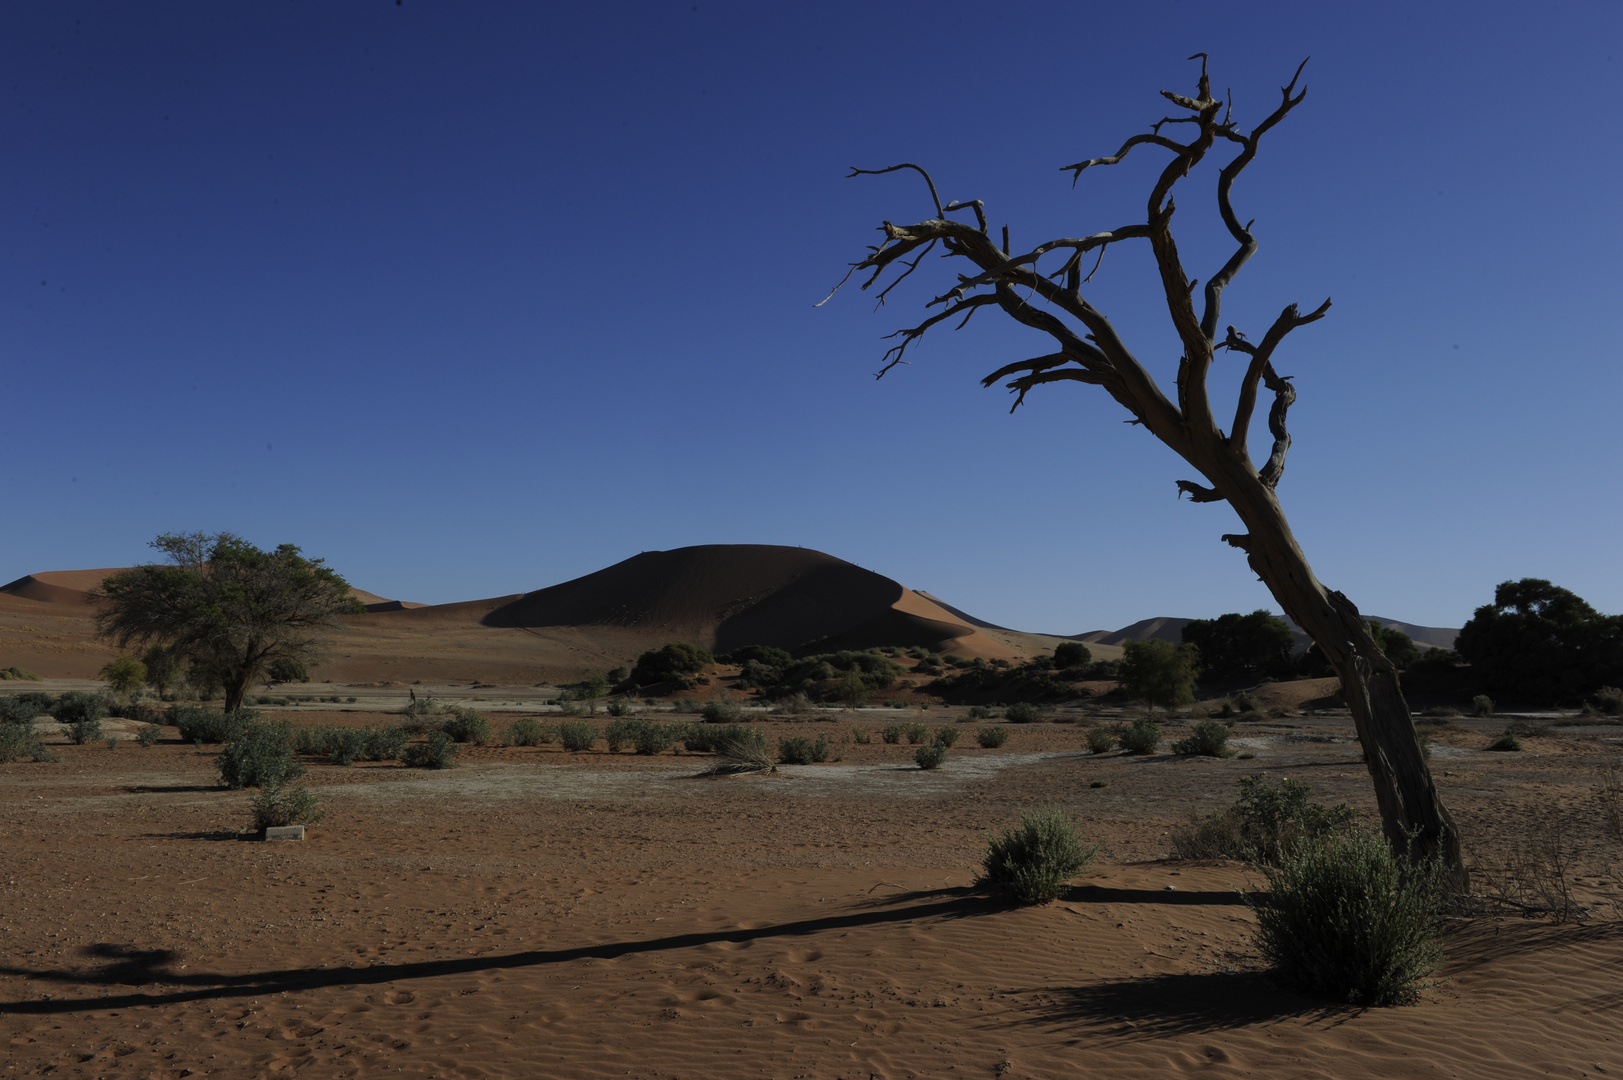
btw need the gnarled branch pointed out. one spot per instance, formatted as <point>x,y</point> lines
<point>1261,354</point>
<point>1197,493</point>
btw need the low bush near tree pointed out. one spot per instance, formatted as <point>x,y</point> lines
<point>1346,919</point>
<point>199,724</point>
<point>1022,712</point>
<point>527,731</point>
<point>19,742</point>
<point>260,755</point>
<point>1101,741</point>
<point>946,735</point>
<point>149,734</point>
<point>799,750</point>
<point>85,731</point>
<point>930,757</point>
<point>578,735</point>
<point>24,708</point>
<point>75,707</point>
<point>467,726</point>
<point>916,733</point>
<point>1140,737</point>
<point>1033,861</point>
<point>1266,824</point>
<point>991,738</point>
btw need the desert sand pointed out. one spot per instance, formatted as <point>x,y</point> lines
<point>540,913</point>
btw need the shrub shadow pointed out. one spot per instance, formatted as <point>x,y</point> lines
<point>1156,1006</point>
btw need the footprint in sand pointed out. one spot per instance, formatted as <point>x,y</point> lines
<point>399,997</point>
<point>805,956</point>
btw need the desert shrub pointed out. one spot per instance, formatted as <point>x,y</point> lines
<point>1101,741</point>
<point>527,731</point>
<point>1033,861</point>
<point>991,738</point>
<point>1507,741</point>
<point>423,714</point>
<point>619,707</point>
<point>669,663</point>
<point>274,806</point>
<point>721,712</point>
<point>1345,918</point>
<point>76,707</point>
<point>1244,702</point>
<point>654,737</point>
<point>578,735</point>
<point>799,750</point>
<point>861,736</point>
<point>438,751</point>
<point>1208,739</point>
<point>149,735</point>
<point>1482,705</point>
<point>705,738</point>
<point>1441,712</point>
<point>891,733</point>
<point>1265,825</point>
<point>1609,700</point>
<point>258,756</point>
<point>384,743</point>
<point>19,741</point>
<point>1022,712</point>
<point>930,757</point>
<point>916,733</point>
<point>15,672</point>
<point>946,735</point>
<point>620,733</point>
<point>343,745</point>
<point>199,724</point>
<point>23,708</point>
<point>145,712</point>
<point>467,726</point>
<point>979,712</point>
<point>1140,737</point>
<point>739,748</point>
<point>85,730</point>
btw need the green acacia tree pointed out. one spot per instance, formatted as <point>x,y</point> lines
<point>1158,672</point>
<point>227,607</point>
<point>125,675</point>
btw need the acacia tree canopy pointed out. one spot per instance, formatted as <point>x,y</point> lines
<point>1540,643</point>
<point>1159,672</point>
<point>1234,647</point>
<point>231,610</point>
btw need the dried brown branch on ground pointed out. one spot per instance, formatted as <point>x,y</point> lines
<point>1084,347</point>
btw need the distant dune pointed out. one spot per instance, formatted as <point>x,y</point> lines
<point>721,596</point>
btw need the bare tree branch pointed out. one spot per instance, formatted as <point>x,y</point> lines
<point>1197,493</point>
<point>893,355</point>
<point>1284,397</point>
<point>904,165</point>
<point>1261,354</point>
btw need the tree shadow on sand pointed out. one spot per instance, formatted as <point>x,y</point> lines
<point>153,967</point>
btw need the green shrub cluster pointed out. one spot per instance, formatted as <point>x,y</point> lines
<point>891,733</point>
<point>19,741</point>
<point>979,712</point>
<point>1101,741</point>
<point>1344,918</point>
<point>1266,824</point>
<point>467,726</point>
<point>84,731</point>
<point>799,750</point>
<point>259,755</point>
<point>24,708</point>
<point>1022,712</point>
<point>991,738</point>
<point>528,731</point>
<point>861,735</point>
<point>578,735</point>
<point>346,746</point>
<point>15,672</point>
<point>199,724</point>
<point>76,707</point>
<point>1507,741</point>
<point>669,663</point>
<point>1140,737</point>
<point>149,734</point>
<point>1242,648</point>
<point>1208,738</point>
<point>1540,643</point>
<point>437,751</point>
<point>946,735</point>
<point>1608,700</point>
<point>930,757</point>
<point>916,733</point>
<point>1033,861</point>
<point>721,712</point>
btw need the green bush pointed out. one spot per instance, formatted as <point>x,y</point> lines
<point>931,756</point>
<point>1141,737</point>
<point>1101,741</point>
<point>916,733</point>
<point>1265,825</point>
<point>621,733</point>
<point>528,731</point>
<point>199,724</point>
<point>1345,918</point>
<point>654,737</point>
<point>274,806</point>
<point>1033,862</point>
<point>1207,739</point>
<point>578,735</point>
<point>24,708</point>
<point>619,707</point>
<point>149,735</point>
<point>438,751</point>
<point>891,733</point>
<point>76,707</point>
<point>798,750</point>
<point>721,712</point>
<point>1609,700</point>
<point>739,748</point>
<point>1098,783</point>
<point>947,736</point>
<point>1482,705</point>
<point>1022,712</point>
<point>15,672</point>
<point>979,712</point>
<point>1506,741</point>
<point>467,726</point>
<point>86,730</point>
<point>668,663</point>
<point>861,736</point>
<point>1158,672</point>
<point>260,755</point>
<point>19,741</point>
<point>991,738</point>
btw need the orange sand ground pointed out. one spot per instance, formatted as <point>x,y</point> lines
<point>536,913</point>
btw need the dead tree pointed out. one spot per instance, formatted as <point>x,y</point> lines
<point>1087,349</point>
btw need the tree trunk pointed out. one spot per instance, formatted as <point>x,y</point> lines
<point>236,688</point>
<point>1412,815</point>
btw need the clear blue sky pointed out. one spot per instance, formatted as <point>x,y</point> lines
<point>471,299</point>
